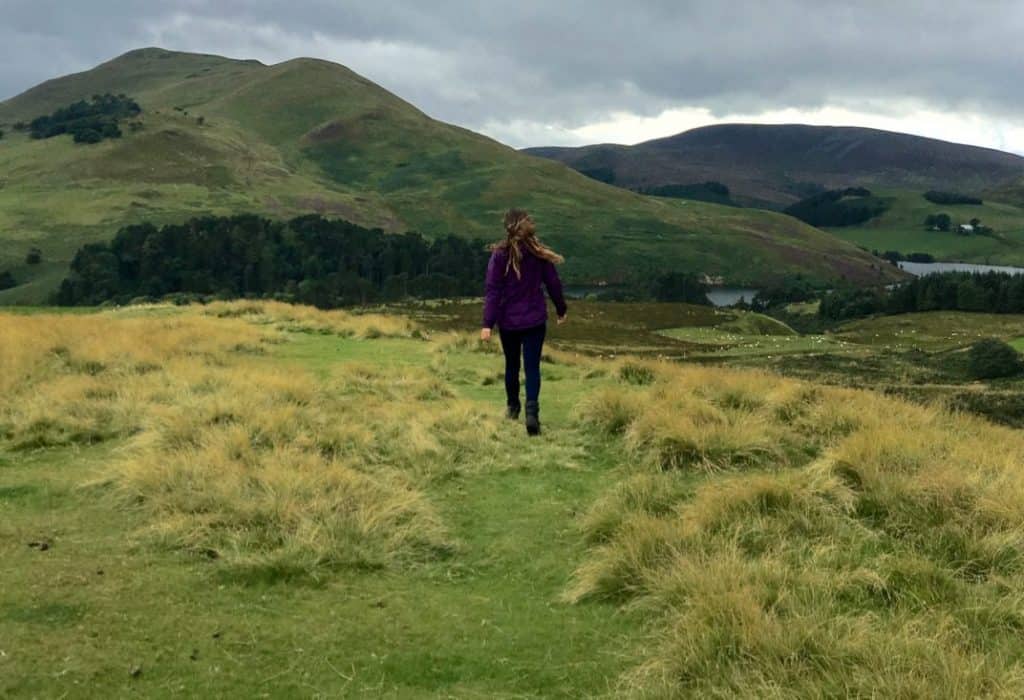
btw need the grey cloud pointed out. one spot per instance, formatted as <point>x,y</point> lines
<point>573,62</point>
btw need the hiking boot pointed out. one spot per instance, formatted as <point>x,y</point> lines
<point>532,418</point>
<point>512,411</point>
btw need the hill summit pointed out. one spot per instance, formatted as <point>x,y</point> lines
<point>220,136</point>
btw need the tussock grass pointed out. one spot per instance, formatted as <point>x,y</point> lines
<point>71,379</point>
<point>832,542</point>
<point>270,469</point>
<point>308,319</point>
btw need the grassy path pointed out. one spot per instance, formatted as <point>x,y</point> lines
<point>95,615</point>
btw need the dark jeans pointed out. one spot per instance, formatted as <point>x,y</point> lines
<point>527,342</point>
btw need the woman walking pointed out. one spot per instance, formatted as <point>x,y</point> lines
<point>514,300</point>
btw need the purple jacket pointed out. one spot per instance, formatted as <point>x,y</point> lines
<point>515,303</point>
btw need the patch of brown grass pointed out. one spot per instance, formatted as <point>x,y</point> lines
<point>266,468</point>
<point>831,543</point>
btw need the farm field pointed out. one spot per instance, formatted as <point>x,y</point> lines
<point>250,499</point>
<point>901,228</point>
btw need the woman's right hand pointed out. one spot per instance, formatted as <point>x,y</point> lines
<point>485,334</point>
<point>562,319</point>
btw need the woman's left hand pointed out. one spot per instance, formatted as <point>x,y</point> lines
<point>485,334</point>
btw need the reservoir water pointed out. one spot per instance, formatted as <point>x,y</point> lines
<point>727,296</point>
<point>932,268</point>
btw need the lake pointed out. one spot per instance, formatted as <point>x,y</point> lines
<point>932,268</point>
<point>727,296</point>
<point>719,296</point>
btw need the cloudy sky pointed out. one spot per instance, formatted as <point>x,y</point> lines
<point>537,72</point>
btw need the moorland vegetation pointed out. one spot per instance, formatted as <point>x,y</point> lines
<point>705,531</point>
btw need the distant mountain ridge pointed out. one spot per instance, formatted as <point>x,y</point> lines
<point>220,136</point>
<point>780,164</point>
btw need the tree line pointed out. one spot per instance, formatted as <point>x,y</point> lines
<point>308,259</point>
<point>710,191</point>
<point>993,292</point>
<point>845,207</point>
<point>939,197</point>
<point>87,122</point>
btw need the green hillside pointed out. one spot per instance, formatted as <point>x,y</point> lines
<point>220,136</point>
<point>901,228</point>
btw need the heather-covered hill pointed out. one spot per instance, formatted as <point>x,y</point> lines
<point>777,164</point>
<point>221,136</point>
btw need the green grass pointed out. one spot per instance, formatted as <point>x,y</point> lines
<point>901,228</point>
<point>724,343</point>
<point>310,136</point>
<point>105,611</point>
<point>487,623</point>
<point>931,330</point>
<point>1018,344</point>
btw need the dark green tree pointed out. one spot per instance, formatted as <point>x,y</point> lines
<point>991,358</point>
<point>942,221</point>
<point>680,286</point>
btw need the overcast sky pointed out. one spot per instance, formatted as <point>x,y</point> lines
<point>567,72</point>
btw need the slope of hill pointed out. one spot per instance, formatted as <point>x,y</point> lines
<point>220,136</point>
<point>775,165</point>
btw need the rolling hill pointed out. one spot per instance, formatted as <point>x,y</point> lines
<point>776,165</point>
<point>222,136</point>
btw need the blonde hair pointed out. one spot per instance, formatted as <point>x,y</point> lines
<point>514,235</point>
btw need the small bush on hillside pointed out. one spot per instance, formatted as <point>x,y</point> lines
<point>634,373</point>
<point>7,280</point>
<point>992,358</point>
<point>34,257</point>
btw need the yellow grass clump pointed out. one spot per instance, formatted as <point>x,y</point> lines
<point>309,319</point>
<point>264,467</point>
<point>801,541</point>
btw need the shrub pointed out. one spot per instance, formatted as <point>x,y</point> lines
<point>34,257</point>
<point>7,280</point>
<point>991,358</point>
<point>634,373</point>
